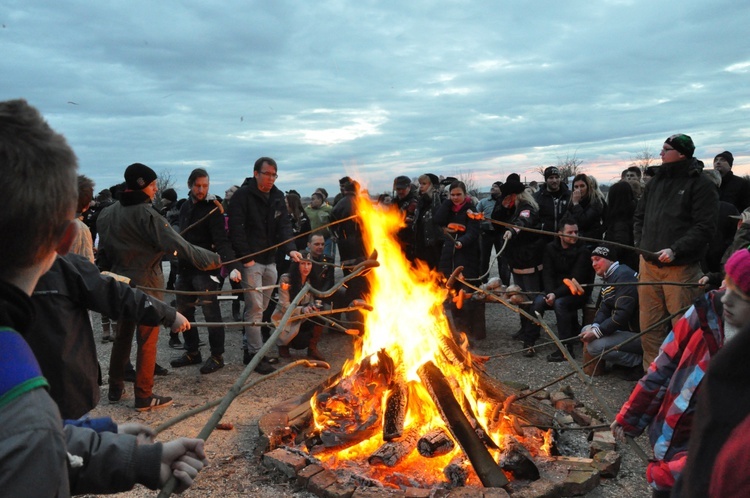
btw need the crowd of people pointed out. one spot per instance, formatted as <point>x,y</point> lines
<point>661,228</point>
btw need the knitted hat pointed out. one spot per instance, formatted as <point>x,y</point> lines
<point>401,182</point>
<point>738,270</point>
<point>499,184</point>
<point>682,144</point>
<point>728,157</point>
<point>323,192</point>
<point>551,170</point>
<point>433,179</point>
<point>605,252</point>
<point>512,186</point>
<point>139,176</point>
<point>512,177</point>
<point>170,194</point>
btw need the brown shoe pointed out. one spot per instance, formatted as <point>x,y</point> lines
<point>314,354</point>
<point>284,352</point>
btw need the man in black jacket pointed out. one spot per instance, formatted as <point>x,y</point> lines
<point>258,221</point>
<point>734,189</point>
<point>202,225</point>
<point>553,199</point>
<point>565,257</point>
<point>675,219</point>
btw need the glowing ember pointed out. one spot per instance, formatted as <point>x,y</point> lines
<point>406,329</point>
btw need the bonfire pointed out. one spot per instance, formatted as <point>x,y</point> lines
<point>413,406</point>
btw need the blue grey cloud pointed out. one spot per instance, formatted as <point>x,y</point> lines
<point>378,89</point>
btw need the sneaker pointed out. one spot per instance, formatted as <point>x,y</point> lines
<point>175,342</point>
<point>213,363</point>
<point>160,370</point>
<point>115,394</point>
<point>187,359</point>
<point>556,357</point>
<point>153,402</point>
<point>530,352</point>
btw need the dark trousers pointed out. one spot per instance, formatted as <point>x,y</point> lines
<point>566,311</point>
<point>530,282</point>
<point>146,340</point>
<point>200,281</point>
<point>488,240</point>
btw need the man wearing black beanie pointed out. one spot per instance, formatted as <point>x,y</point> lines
<point>133,238</point>
<point>734,189</point>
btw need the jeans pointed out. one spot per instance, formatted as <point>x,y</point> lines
<point>330,248</point>
<point>200,281</point>
<point>257,275</point>
<point>659,301</point>
<point>630,355</point>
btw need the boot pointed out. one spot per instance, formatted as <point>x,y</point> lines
<point>312,348</point>
<point>284,352</point>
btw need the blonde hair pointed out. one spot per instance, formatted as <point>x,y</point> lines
<point>527,196</point>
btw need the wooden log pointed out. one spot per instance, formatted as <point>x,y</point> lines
<point>435,443</point>
<point>353,407</point>
<point>394,416</point>
<point>457,472</point>
<point>392,452</point>
<point>516,459</point>
<point>489,473</point>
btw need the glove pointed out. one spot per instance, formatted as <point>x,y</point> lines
<point>235,276</point>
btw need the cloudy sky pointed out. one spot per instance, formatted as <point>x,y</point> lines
<point>376,89</point>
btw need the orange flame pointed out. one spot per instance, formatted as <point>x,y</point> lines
<point>408,323</point>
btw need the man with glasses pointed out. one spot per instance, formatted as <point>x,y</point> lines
<point>675,219</point>
<point>258,221</point>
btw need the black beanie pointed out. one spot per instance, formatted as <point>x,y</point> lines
<point>139,176</point>
<point>728,157</point>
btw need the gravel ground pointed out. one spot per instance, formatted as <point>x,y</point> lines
<point>235,469</point>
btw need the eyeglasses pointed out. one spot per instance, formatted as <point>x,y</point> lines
<point>666,149</point>
<point>269,174</point>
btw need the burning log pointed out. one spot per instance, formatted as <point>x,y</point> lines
<point>435,443</point>
<point>395,410</point>
<point>353,407</point>
<point>457,472</point>
<point>392,452</point>
<point>488,471</point>
<point>516,459</point>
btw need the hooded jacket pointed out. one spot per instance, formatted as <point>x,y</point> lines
<point>134,238</point>
<point>678,210</point>
<point>61,335</point>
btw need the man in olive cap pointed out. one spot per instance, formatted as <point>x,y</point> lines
<point>674,222</point>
